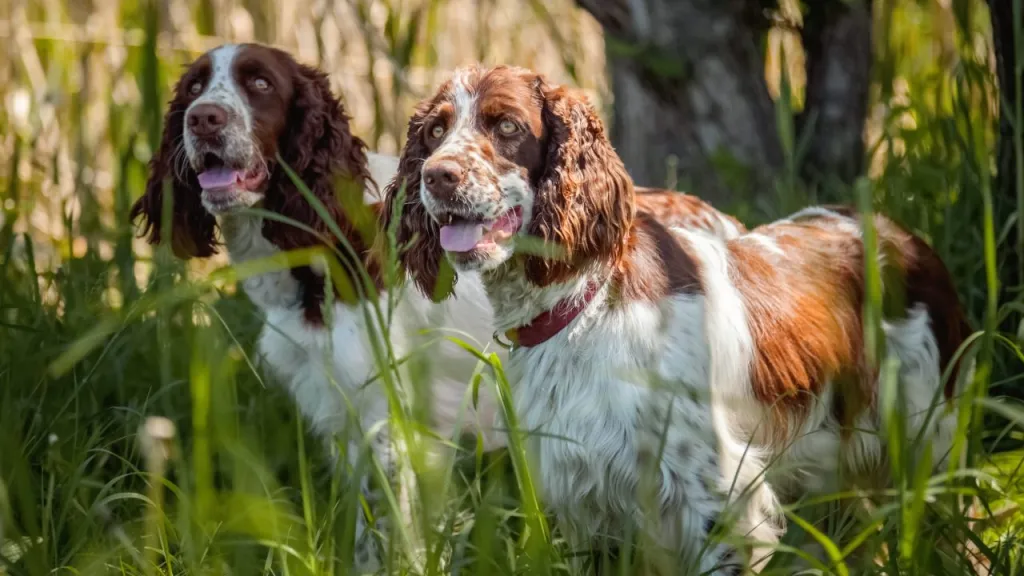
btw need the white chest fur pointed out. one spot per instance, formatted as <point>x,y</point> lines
<point>326,369</point>
<point>625,429</point>
<point>599,424</point>
<point>244,239</point>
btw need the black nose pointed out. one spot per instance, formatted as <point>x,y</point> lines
<point>207,120</point>
<point>443,177</point>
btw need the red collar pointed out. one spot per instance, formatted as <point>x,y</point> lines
<point>551,322</point>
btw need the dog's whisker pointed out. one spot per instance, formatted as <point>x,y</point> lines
<point>180,162</point>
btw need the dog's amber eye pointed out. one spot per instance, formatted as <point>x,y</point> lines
<point>195,88</point>
<point>437,132</point>
<point>508,127</point>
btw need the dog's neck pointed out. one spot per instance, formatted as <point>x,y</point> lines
<point>243,236</point>
<point>656,263</point>
<point>240,231</point>
<point>244,239</point>
<point>517,301</point>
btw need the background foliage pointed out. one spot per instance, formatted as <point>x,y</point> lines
<point>243,489</point>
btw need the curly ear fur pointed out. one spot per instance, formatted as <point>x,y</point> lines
<point>192,227</point>
<point>416,234</point>
<point>585,199</point>
<point>321,150</point>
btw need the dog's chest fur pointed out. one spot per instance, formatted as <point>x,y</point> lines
<point>327,369</point>
<point>245,242</point>
<point>597,429</point>
<point>317,365</point>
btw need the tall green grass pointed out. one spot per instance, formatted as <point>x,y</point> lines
<point>139,436</point>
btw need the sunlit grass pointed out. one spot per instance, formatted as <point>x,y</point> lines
<point>101,338</point>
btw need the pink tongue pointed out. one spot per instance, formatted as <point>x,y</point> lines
<point>218,178</point>
<point>461,237</point>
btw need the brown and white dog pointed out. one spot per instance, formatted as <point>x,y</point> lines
<point>640,344</point>
<point>234,111</point>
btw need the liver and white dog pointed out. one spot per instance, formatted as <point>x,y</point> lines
<point>643,347</point>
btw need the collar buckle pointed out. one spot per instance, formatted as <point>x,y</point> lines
<point>506,344</point>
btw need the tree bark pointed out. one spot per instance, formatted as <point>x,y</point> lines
<point>1007,190</point>
<point>837,44</point>
<point>688,81</point>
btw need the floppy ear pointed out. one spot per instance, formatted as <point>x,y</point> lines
<point>417,235</point>
<point>330,161</point>
<point>192,227</point>
<point>321,150</point>
<point>584,199</point>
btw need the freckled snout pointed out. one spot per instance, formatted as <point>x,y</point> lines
<point>206,120</point>
<point>442,178</point>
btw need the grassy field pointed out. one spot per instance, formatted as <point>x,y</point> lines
<point>137,434</point>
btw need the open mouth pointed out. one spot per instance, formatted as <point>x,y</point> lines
<point>218,179</point>
<point>460,234</point>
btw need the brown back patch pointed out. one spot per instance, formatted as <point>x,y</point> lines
<point>673,208</point>
<point>914,274</point>
<point>804,311</point>
<point>655,264</point>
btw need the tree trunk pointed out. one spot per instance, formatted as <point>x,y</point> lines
<point>689,83</point>
<point>837,43</point>
<point>1008,185</point>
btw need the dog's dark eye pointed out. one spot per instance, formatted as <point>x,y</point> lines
<point>195,88</point>
<point>260,84</point>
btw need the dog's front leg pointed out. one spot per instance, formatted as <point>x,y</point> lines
<point>366,553</point>
<point>398,476</point>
